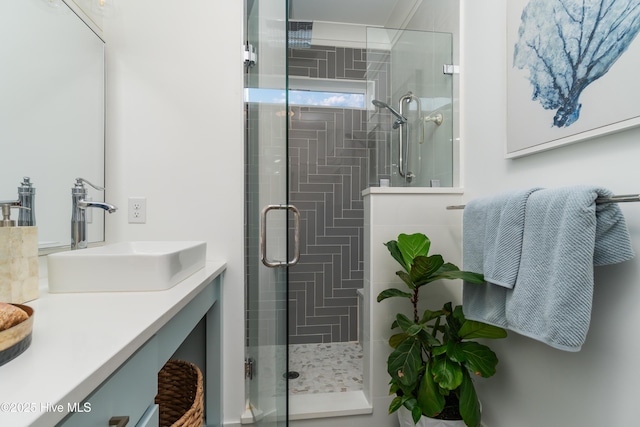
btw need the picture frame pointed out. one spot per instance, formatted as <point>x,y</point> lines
<point>537,29</point>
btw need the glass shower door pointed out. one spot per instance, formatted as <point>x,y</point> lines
<point>266,212</point>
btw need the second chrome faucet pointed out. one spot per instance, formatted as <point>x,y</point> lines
<point>78,216</point>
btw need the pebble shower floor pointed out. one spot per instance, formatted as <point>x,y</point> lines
<point>325,368</point>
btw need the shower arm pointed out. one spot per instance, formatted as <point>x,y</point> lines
<point>406,99</point>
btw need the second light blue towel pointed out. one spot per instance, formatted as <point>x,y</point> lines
<point>565,234</point>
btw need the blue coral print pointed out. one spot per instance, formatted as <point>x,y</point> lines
<point>568,44</point>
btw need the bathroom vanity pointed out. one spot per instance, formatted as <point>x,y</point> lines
<point>95,356</point>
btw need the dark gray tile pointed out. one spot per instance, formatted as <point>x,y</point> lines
<point>353,323</point>
<point>354,74</point>
<point>344,328</point>
<point>324,249</point>
<point>317,256</point>
<point>309,267</point>
<point>340,63</point>
<point>317,116</point>
<point>348,58</point>
<point>342,231</point>
<point>299,71</point>
<point>303,63</point>
<point>323,320</point>
<point>332,311</point>
<point>335,333</point>
<point>347,222</point>
<point>303,134</point>
<point>340,302</point>
<point>333,240</point>
<point>296,125</point>
<point>300,276</point>
<point>331,65</point>
<point>322,69</point>
<point>325,178</point>
<point>355,283</point>
<point>312,330</point>
<point>305,339</point>
<point>310,303</point>
<point>309,53</point>
<point>344,293</point>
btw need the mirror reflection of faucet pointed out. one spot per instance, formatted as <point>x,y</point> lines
<point>78,216</point>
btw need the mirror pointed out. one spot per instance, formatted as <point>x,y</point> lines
<point>52,112</point>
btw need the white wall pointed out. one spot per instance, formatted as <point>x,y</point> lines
<point>175,136</point>
<point>535,384</point>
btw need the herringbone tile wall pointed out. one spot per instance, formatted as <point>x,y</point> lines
<point>329,157</point>
<point>327,172</point>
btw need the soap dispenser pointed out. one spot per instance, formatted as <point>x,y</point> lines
<point>26,196</point>
<point>18,258</point>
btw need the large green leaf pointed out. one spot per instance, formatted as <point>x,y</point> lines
<point>426,338</point>
<point>413,245</point>
<point>471,329</point>
<point>430,400</point>
<point>424,267</point>
<point>406,278</point>
<point>455,318</point>
<point>478,358</point>
<point>446,372</point>
<point>436,351</point>
<point>405,323</point>
<point>430,315</point>
<point>467,276</point>
<point>412,405</point>
<point>405,362</point>
<point>392,246</point>
<point>397,339</point>
<point>392,292</point>
<point>395,404</point>
<point>469,405</point>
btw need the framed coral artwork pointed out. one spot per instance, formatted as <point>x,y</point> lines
<point>572,71</point>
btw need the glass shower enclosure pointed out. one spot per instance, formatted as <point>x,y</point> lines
<point>266,213</point>
<point>412,107</point>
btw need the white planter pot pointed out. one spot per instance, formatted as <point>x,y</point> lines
<point>404,416</point>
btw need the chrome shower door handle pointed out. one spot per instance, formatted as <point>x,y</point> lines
<point>263,236</point>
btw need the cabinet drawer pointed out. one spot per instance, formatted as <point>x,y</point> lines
<point>128,392</point>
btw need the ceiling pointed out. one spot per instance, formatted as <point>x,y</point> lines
<point>363,12</point>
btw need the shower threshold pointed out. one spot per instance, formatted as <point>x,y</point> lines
<point>325,405</point>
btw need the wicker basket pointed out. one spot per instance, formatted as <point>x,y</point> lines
<point>180,395</point>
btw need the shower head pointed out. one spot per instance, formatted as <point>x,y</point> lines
<point>400,119</point>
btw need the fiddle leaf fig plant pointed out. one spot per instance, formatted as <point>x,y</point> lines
<point>433,357</point>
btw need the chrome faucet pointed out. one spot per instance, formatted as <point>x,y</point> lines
<point>78,216</point>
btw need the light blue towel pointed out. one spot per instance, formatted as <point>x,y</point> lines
<point>492,234</point>
<point>565,235</point>
<point>497,225</point>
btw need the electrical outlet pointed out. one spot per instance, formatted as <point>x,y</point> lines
<point>137,210</point>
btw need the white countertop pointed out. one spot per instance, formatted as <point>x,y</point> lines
<point>79,339</point>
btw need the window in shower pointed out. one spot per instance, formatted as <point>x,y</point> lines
<point>315,92</point>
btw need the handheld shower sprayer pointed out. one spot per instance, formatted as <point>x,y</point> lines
<point>400,119</point>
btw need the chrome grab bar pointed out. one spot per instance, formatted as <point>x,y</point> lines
<point>263,236</point>
<point>404,151</point>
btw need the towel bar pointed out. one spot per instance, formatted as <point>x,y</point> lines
<point>599,200</point>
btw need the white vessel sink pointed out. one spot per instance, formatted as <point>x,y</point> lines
<point>127,266</point>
